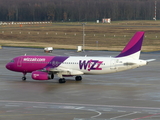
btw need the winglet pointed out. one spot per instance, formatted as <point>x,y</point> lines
<point>133,48</point>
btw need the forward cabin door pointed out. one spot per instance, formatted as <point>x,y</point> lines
<point>19,63</point>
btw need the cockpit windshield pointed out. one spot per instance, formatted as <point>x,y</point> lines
<point>12,61</point>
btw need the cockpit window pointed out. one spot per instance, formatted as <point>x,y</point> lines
<point>12,61</point>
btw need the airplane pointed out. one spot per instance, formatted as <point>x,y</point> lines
<point>46,67</point>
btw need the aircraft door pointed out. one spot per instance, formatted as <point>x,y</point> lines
<point>19,63</point>
<point>113,64</point>
<point>55,63</point>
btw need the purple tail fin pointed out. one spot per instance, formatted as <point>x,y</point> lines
<point>134,45</point>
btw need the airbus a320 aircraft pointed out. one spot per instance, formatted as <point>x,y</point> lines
<point>45,67</point>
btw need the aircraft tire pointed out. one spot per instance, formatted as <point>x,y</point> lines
<point>78,78</point>
<point>52,76</point>
<point>24,78</point>
<point>62,80</point>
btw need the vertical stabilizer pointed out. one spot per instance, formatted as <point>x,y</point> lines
<point>133,48</point>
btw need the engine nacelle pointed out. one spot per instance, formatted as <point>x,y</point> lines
<point>38,75</point>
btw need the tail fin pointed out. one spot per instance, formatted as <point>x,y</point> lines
<point>133,48</point>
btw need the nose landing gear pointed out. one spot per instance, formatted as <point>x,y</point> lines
<point>24,77</point>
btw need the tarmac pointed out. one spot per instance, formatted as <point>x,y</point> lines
<point>127,95</point>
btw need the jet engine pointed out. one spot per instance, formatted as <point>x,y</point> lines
<point>38,75</point>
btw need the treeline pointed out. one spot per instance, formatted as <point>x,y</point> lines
<point>77,10</point>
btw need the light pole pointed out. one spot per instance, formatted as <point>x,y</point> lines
<point>155,11</point>
<point>97,44</point>
<point>83,25</point>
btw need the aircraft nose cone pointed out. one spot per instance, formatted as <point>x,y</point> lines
<point>8,66</point>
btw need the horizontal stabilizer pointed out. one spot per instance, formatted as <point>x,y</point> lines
<point>150,60</point>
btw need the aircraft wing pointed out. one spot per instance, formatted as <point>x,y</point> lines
<point>65,71</point>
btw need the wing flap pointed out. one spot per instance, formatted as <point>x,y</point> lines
<point>65,71</point>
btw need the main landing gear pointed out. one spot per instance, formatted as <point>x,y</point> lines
<point>77,78</point>
<point>62,80</point>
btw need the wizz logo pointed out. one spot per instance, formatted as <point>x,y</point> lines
<point>90,65</point>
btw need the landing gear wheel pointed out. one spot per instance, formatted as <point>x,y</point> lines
<point>62,80</point>
<point>24,78</point>
<point>78,78</point>
<point>52,76</point>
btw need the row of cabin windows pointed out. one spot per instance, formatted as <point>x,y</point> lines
<point>78,63</point>
<point>60,63</point>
